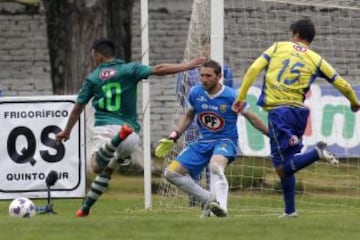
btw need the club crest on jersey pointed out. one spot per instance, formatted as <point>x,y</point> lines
<point>299,48</point>
<point>223,108</point>
<point>107,73</point>
<point>211,121</point>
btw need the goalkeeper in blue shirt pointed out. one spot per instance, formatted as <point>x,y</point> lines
<point>112,87</point>
<point>217,145</point>
<point>186,80</point>
<point>290,69</point>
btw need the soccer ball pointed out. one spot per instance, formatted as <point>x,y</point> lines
<point>22,207</point>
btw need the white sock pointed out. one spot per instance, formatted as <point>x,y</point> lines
<point>188,185</point>
<point>219,187</point>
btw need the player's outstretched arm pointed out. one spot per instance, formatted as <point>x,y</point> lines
<point>250,76</point>
<point>347,91</point>
<point>74,116</point>
<point>256,121</point>
<point>170,68</point>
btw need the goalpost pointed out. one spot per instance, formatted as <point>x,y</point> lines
<point>146,105</point>
<point>251,26</point>
<point>217,31</point>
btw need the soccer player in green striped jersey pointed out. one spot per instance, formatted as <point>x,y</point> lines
<point>112,87</point>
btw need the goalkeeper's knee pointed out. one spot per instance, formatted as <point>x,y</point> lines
<point>172,171</point>
<point>216,168</point>
<point>173,177</point>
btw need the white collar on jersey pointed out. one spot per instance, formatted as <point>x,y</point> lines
<point>212,96</point>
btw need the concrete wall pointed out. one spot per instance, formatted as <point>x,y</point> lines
<point>249,28</point>
<point>24,57</point>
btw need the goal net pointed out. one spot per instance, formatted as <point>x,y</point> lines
<point>251,26</point>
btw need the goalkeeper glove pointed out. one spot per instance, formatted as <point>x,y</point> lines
<point>166,144</point>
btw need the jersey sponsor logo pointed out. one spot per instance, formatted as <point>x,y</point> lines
<point>299,48</point>
<point>211,121</point>
<point>204,106</point>
<point>211,107</point>
<point>107,73</point>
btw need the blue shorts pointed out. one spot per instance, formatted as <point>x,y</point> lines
<point>197,155</point>
<point>285,122</point>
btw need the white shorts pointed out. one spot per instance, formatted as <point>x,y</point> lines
<point>103,134</point>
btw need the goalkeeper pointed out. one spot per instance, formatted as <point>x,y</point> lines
<point>112,87</point>
<point>290,68</point>
<point>217,144</point>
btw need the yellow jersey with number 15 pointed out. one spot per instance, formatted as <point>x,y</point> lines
<point>290,69</point>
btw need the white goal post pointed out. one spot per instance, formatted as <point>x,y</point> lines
<point>146,104</point>
<point>217,31</point>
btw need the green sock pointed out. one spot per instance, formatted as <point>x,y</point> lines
<point>115,141</point>
<point>98,187</point>
<point>106,152</point>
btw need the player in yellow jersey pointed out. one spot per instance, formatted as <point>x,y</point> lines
<point>290,68</point>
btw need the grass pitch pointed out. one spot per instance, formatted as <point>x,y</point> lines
<point>120,214</point>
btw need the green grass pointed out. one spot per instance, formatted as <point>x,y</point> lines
<point>120,214</point>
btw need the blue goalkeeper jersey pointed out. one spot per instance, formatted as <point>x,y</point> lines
<point>215,118</point>
<point>113,88</point>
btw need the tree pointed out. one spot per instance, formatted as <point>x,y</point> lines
<point>72,26</point>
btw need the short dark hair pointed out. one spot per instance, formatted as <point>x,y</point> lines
<point>214,65</point>
<point>304,28</point>
<point>105,47</point>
